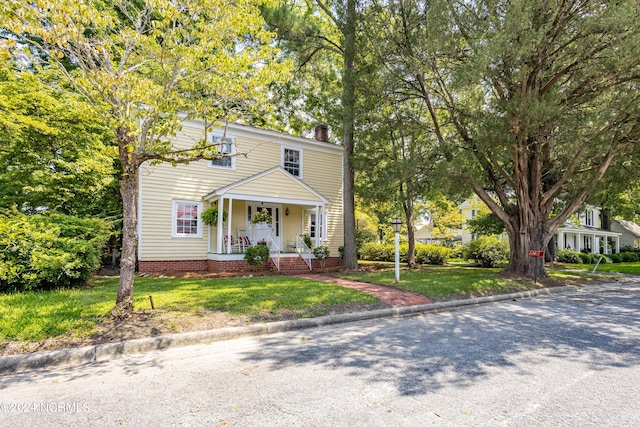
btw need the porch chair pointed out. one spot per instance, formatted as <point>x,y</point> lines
<point>245,242</point>
<point>229,242</point>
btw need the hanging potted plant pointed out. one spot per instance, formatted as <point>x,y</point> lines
<point>261,216</point>
<point>210,216</point>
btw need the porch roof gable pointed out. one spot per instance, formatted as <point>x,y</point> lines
<point>275,184</point>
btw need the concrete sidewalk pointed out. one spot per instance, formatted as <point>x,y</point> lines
<point>105,352</point>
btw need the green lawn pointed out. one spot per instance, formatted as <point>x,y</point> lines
<point>450,282</point>
<point>34,316</point>
<point>625,267</point>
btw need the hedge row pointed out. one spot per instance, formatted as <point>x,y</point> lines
<point>425,254</point>
<point>572,257</point>
<point>49,251</point>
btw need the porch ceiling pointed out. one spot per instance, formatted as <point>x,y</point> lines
<point>272,185</point>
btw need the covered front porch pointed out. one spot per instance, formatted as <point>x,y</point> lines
<point>271,208</point>
<point>591,240</point>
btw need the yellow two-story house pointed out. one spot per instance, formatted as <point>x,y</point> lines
<point>294,183</point>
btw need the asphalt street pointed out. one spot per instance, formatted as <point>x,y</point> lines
<point>569,359</point>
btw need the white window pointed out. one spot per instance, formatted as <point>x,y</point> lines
<point>292,161</point>
<point>226,148</point>
<point>315,227</point>
<point>589,218</point>
<point>186,220</point>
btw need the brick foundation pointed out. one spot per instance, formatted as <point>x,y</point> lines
<point>231,266</point>
<point>237,266</point>
<point>330,263</point>
<point>156,266</point>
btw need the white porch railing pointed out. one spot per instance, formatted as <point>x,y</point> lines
<point>274,251</point>
<point>303,250</point>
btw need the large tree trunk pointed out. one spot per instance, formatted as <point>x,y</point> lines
<point>350,256</point>
<point>129,192</point>
<point>522,239</point>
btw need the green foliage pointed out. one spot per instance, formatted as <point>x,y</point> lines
<point>49,251</point>
<point>210,216</point>
<point>307,241</point>
<point>261,216</point>
<point>569,256</point>
<point>486,250</point>
<point>321,252</point>
<point>432,254</point>
<point>615,258</point>
<point>55,152</point>
<point>586,258</point>
<point>257,255</point>
<point>629,248</point>
<point>425,254</point>
<point>485,224</point>
<point>373,251</point>
<point>629,257</point>
<point>340,251</point>
<point>457,250</point>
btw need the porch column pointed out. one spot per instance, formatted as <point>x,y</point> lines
<point>617,244</point>
<point>580,244</point>
<point>317,243</point>
<point>593,244</point>
<point>596,245</point>
<point>229,225</point>
<point>219,229</point>
<point>560,241</point>
<point>325,237</point>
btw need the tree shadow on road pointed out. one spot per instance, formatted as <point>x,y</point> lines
<point>425,353</point>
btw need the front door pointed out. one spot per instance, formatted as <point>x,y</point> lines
<point>259,231</point>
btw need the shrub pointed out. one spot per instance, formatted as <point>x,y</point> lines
<point>569,256</point>
<point>615,258</point>
<point>586,258</point>
<point>377,252</point>
<point>629,248</point>
<point>49,251</point>
<point>257,255</point>
<point>628,257</point>
<point>322,253</point>
<point>432,254</point>
<point>486,250</point>
<point>341,251</point>
<point>457,251</point>
<point>307,241</point>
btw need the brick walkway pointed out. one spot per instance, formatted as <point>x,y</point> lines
<point>391,296</point>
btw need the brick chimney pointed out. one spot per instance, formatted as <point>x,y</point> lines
<point>322,133</point>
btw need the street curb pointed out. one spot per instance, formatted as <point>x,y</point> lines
<point>104,352</point>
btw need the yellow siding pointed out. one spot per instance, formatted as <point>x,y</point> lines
<point>323,173</point>
<point>160,184</point>
<point>275,184</point>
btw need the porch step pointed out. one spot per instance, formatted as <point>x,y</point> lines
<point>293,265</point>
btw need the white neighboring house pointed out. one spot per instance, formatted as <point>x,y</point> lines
<point>584,233</point>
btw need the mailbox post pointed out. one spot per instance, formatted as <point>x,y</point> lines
<point>537,255</point>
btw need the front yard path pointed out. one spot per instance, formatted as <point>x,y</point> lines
<point>393,297</point>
